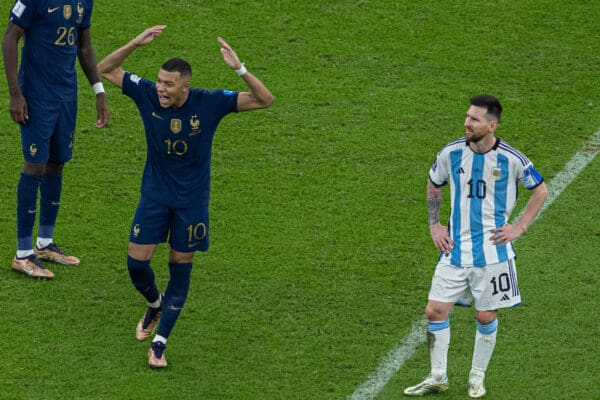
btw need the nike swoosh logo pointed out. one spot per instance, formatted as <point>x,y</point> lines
<point>190,245</point>
<point>174,308</point>
<point>56,203</point>
<point>28,271</point>
<point>155,115</point>
<point>51,10</point>
<point>31,211</point>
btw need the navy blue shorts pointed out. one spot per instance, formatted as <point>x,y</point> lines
<point>49,134</point>
<point>185,229</point>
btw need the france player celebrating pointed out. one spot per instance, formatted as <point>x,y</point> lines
<point>477,255</point>
<point>180,123</point>
<point>43,101</point>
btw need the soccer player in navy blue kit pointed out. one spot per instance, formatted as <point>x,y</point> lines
<point>43,101</point>
<point>476,251</point>
<point>179,123</point>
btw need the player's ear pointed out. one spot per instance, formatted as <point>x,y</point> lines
<point>494,125</point>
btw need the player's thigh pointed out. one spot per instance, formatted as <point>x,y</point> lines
<point>448,283</point>
<point>150,224</point>
<point>37,133</point>
<point>495,286</point>
<point>63,140</point>
<point>189,230</point>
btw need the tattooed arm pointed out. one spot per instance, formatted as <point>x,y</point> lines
<point>439,233</point>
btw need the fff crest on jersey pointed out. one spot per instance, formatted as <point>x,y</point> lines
<point>79,13</point>
<point>176,126</point>
<point>67,11</point>
<point>33,149</point>
<point>195,125</point>
<point>136,230</point>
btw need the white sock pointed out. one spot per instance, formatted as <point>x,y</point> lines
<point>43,242</point>
<point>438,334</point>
<point>159,338</point>
<point>156,303</point>
<point>24,253</point>
<point>485,341</point>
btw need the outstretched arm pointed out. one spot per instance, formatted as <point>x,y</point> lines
<point>110,66</point>
<point>258,96</point>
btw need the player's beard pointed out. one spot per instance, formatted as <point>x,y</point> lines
<point>472,137</point>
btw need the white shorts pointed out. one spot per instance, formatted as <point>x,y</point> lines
<point>492,287</point>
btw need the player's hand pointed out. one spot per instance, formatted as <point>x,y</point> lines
<point>102,111</point>
<point>506,234</point>
<point>441,239</point>
<point>229,55</point>
<point>148,35</point>
<point>18,109</point>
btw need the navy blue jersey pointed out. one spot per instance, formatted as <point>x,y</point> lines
<point>179,140</point>
<point>49,51</point>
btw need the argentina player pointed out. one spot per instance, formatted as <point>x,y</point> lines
<point>476,250</point>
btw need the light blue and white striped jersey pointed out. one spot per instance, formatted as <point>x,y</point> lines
<point>483,193</point>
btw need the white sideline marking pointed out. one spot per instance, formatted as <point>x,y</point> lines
<point>369,389</point>
<point>392,363</point>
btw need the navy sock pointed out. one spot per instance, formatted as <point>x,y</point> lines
<point>175,296</point>
<point>27,192</point>
<point>50,191</point>
<point>142,277</point>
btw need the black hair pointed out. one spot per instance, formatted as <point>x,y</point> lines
<point>178,65</point>
<point>490,103</point>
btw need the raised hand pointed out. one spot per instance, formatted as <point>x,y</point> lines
<point>148,35</point>
<point>229,55</point>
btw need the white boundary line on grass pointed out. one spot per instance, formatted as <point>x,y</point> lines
<point>369,389</point>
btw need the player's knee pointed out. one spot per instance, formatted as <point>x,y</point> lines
<point>141,251</point>
<point>54,168</point>
<point>486,317</point>
<point>432,315</point>
<point>176,257</point>
<point>34,169</point>
<point>436,311</point>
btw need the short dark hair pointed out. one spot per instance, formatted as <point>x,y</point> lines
<point>178,65</point>
<point>490,103</point>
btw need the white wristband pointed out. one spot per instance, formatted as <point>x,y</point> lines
<point>98,87</point>
<point>241,70</point>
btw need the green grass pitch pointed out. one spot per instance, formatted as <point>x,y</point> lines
<point>320,259</point>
